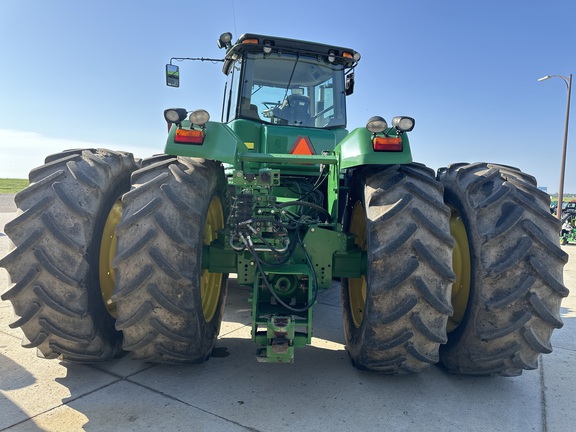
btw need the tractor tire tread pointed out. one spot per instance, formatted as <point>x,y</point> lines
<point>517,267</point>
<point>409,242</point>
<point>54,291</point>
<point>158,260</point>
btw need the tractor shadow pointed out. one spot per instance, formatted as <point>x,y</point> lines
<point>13,379</point>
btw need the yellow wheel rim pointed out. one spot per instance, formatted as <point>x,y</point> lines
<point>461,266</point>
<point>357,286</point>
<point>107,253</point>
<point>211,283</point>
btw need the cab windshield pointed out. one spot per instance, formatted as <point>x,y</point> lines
<point>292,89</point>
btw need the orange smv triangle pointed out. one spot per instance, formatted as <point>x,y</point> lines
<point>302,146</point>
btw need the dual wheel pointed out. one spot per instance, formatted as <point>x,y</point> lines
<point>463,269</point>
<point>83,294</point>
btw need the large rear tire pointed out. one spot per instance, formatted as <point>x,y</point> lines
<point>60,249</point>
<point>509,270</point>
<point>395,316</point>
<point>169,309</point>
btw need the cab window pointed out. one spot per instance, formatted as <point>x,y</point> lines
<point>292,90</point>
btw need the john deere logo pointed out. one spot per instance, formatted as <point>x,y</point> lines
<point>302,146</point>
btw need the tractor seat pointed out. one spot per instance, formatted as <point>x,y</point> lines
<point>296,109</point>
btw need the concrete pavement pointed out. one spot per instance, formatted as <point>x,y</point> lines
<point>320,391</point>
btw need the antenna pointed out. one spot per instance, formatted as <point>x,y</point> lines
<point>234,16</point>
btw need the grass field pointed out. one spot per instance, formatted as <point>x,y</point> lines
<point>12,186</point>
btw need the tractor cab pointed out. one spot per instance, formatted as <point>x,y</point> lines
<point>286,82</point>
<point>282,97</point>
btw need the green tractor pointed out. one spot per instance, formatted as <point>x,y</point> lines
<point>113,254</point>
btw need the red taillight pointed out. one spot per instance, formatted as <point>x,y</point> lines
<point>387,144</point>
<point>189,136</point>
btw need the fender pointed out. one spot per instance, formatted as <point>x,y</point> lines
<point>356,149</point>
<point>220,143</point>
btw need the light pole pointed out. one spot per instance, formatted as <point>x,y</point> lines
<point>568,82</point>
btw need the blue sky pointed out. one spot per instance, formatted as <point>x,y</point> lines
<point>91,74</point>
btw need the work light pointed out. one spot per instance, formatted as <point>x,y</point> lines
<point>376,124</point>
<point>175,115</point>
<point>225,40</point>
<point>199,117</point>
<point>403,124</point>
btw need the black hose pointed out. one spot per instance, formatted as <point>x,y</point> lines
<point>271,290</point>
<point>306,204</point>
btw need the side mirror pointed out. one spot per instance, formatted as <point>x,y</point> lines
<point>349,84</point>
<point>172,75</point>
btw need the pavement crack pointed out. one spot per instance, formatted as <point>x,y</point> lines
<point>248,428</point>
<point>543,397</point>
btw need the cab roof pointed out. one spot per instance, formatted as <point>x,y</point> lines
<point>257,42</point>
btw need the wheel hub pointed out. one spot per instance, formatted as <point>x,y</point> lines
<point>357,286</point>
<point>107,253</point>
<point>211,283</point>
<point>461,267</point>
